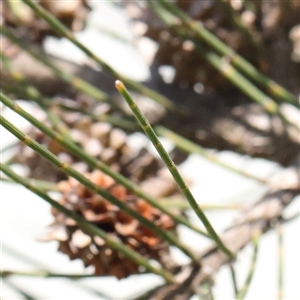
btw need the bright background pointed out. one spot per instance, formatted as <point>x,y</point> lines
<point>24,217</point>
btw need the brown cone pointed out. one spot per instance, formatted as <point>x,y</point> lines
<point>92,250</point>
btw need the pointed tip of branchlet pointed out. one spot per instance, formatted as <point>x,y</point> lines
<point>119,85</point>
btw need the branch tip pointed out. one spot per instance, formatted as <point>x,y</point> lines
<point>119,85</point>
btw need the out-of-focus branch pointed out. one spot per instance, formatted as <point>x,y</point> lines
<point>260,216</point>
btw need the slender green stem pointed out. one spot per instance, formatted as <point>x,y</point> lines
<point>224,66</point>
<point>74,81</point>
<point>205,290</point>
<point>94,163</point>
<point>86,226</point>
<point>65,32</point>
<point>233,277</point>
<point>32,93</point>
<point>57,124</point>
<point>22,293</point>
<point>171,166</point>
<point>180,204</point>
<point>5,62</point>
<point>167,235</point>
<point>190,147</point>
<point>291,218</point>
<point>45,274</point>
<point>230,73</point>
<point>28,91</point>
<point>7,148</point>
<point>23,88</point>
<point>116,35</point>
<point>20,86</point>
<point>125,123</point>
<point>210,292</point>
<point>235,59</point>
<point>243,291</point>
<point>280,262</point>
<point>43,185</point>
<point>250,33</point>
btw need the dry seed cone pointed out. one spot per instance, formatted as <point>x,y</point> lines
<point>92,250</point>
<point>109,145</point>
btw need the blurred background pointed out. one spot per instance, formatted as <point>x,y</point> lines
<point>237,142</point>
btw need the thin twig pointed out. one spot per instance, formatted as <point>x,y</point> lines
<point>74,81</point>
<point>223,64</point>
<point>45,274</point>
<point>235,59</point>
<point>73,148</point>
<point>243,291</point>
<point>291,218</point>
<point>261,216</point>
<point>190,147</point>
<point>205,291</point>
<point>171,166</point>
<point>65,32</point>
<point>46,186</point>
<point>64,167</point>
<point>234,279</point>
<point>88,227</point>
<point>280,261</point>
<point>181,204</point>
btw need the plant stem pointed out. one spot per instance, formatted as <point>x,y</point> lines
<point>205,289</point>
<point>233,277</point>
<point>30,92</point>
<point>65,32</point>
<point>171,166</point>
<point>45,274</point>
<point>88,227</point>
<point>33,93</point>
<point>291,218</point>
<point>225,68</point>
<point>223,65</point>
<point>235,59</point>
<point>167,235</point>
<point>250,33</point>
<point>243,291</point>
<point>190,147</point>
<point>280,261</point>
<point>74,81</point>
<point>179,203</point>
<point>229,72</point>
<point>7,147</point>
<point>125,123</point>
<point>94,163</point>
<point>42,185</point>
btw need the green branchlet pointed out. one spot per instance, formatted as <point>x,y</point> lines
<point>87,226</point>
<point>171,166</point>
